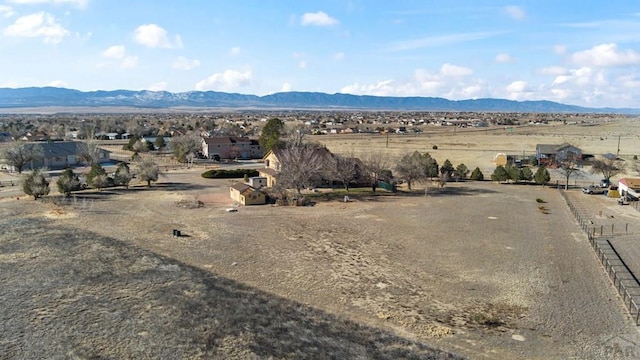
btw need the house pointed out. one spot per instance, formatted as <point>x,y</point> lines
<point>247,195</point>
<point>550,155</point>
<point>62,154</point>
<point>231,147</point>
<point>257,182</point>
<point>629,188</point>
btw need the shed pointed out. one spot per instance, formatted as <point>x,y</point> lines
<point>247,195</point>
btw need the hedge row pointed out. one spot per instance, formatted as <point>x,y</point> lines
<point>229,174</point>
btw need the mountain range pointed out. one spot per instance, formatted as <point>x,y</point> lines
<point>34,97</point>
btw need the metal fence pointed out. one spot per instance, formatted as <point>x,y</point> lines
<point>619,272</point>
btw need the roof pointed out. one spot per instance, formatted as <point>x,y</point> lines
<point>226,140</point>
<point>552,148</point>
<point>631,183</point>
<point>268,171</point>
<point>59,148</point>
<point>243,188</point>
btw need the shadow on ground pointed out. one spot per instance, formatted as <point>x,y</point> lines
<point>68,294</point>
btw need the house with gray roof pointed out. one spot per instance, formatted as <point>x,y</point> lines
<point>62,154</point>
<point>550,155</point>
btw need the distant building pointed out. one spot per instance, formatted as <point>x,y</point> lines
<point>550,155</point>
<point>61,154</point>
<point>230,147</point>
<point>5,136</point>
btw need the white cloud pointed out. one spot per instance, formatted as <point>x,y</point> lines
<point>159,86</point>
<point>519,90</point>
<point>515,12</point>
<point>453,70</point>
<point>338,56</point>
<point>554,70</point>
<point>78,3</point>
<point>225,81</point>
<point>560,49</point>
<point>129,62</point>
<point>440,40</point>
<point>154,36</point>
<point>319,18</point>
<point>286,87</point>
<point>58,83</point>
<point>182,63</point>
<point>114,52</point>
<point>606,55</point>
<point>504,58</point>
<point>6,11</point>
<point>235,51</point>
<point>118,52</point>
<point>40,24</point>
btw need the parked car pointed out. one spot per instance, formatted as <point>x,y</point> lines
<point>605,183</point>
<point>593,189</point>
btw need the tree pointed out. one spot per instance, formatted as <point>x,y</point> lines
<point>101,181</point>
<point>607,167</point>
<point>301,166</point>
<point>123,176</point>
<point>477,175</point>
<point>526,174</point>
<point>343,169</point>
<point>515,173</point>
<point>412,168</point>
<point>95,171</point>
<point>568,167</point>
<point>68,182</point>
<point>461,172</point>
<point>140,146</point>
<point>431,166</point>
<point>376,164</point>
<point>447,169</point>
<point>542,176</point>
<point>271,135</point>
<point>160,142</point>
<point>35,184</point>
<point>184,145</point>
<point>89,153</point>
<point>500,174</point>
<point>147,170</point>
<point>20,155</point>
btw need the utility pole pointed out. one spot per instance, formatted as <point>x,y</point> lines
<point>618,153</point>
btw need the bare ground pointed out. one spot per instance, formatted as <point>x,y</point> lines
<point>476,269</point>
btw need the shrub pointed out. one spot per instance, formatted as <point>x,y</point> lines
<point>229,174</point>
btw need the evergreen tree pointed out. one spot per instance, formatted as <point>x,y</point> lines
<point>500,174</point>
<point>477,175</point>
<point>542,176</point>
<point>270,137</point>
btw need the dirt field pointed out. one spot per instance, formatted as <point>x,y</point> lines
<point>476,269</point>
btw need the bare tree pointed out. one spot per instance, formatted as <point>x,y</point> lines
<point>343,168</point>
<point>147,170</point>
<point>89,153</point>
<point>302,165</point>
<point>568,168</point>
<point>376,164</point>
<point>607,167</point>
<point>19,155</point>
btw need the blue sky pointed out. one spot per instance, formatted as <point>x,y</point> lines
<point>577,52</point>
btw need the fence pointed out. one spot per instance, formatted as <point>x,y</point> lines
<point>619,272</point>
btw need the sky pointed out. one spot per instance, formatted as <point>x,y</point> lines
<point>583,52</point>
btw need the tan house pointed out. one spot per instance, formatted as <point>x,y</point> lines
<point>247,195</point>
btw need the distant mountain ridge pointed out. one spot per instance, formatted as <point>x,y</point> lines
<point>53,96</point>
